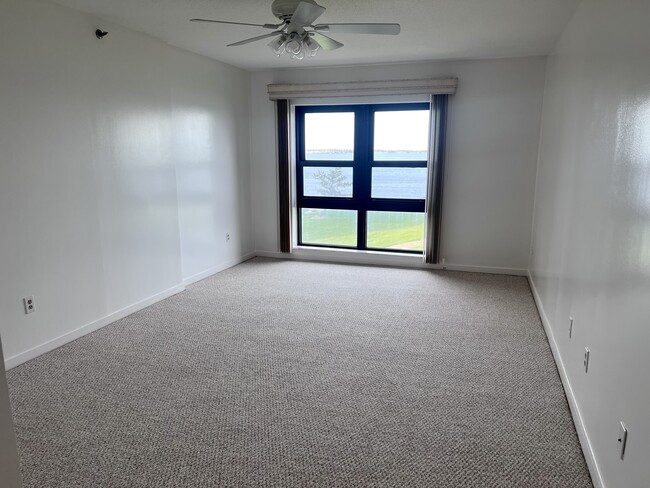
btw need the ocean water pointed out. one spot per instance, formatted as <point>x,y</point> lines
<point>409,183</point>
<point>335,155</point>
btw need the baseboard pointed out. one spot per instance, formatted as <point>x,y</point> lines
<point>13,361</point>
<point>583,436</point>
<point>52,344</point>
<point>481,269</point>
<point>220,267</point>
<point>373,258</point>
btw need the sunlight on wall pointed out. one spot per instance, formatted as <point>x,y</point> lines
<point>194,149</point>
<point>140,138</point>
<point>632,177</point>
<point>194,129</point>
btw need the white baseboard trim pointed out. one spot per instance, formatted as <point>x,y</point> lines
<point>215,269</point>
<point>583,436</point>
<point>480,269</point>
<point>375,258</point>
<point>13,361</point>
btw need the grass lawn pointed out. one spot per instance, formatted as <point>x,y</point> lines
<point>387,230</point>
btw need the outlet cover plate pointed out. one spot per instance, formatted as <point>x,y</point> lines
<point>29,304</point>
<point>622,439</point>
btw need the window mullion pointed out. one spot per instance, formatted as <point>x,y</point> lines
<point>360,188</point>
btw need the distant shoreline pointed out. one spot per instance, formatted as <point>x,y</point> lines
<point>347,151</point>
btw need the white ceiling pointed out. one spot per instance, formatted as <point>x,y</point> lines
<point>431,29</point>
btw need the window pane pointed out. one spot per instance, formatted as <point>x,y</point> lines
<point>401,135</point>
<point>329,227</point>
<point>396,230</point>
<point>408,183</point>
<point>327,182</point>
<point>329,136</point>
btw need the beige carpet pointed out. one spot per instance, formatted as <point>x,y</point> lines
<point>289,374</point>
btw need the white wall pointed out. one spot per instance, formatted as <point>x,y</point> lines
<point>9,465</point>
<point>98,142</point>
<point>211,148</point>
<point>493,133</point>
<point>591,235</point>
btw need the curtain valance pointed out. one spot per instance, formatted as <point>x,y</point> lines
<point>435,86</point>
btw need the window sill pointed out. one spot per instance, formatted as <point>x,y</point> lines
<point>358,257</point>
<point>380,258</point>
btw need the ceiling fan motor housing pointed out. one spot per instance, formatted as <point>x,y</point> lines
<point>284,9</point>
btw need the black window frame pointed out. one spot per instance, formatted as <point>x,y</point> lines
<point>362,164</point>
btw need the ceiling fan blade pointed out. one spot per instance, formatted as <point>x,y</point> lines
<point>266,26</point>
<point>306,13</point>
<point>326,43</point>
<point>384,29</point>
<point>253,39</point>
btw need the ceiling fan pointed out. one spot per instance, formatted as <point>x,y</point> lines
<point>296,35</point>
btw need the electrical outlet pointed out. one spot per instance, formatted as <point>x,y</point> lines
<point>586,361</point>
<point>622,439</point>
<point>570,327</point>
<point>30,304</point>
<point>227,237</point>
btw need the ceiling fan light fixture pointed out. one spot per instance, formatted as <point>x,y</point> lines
<point>311,47</point>
<point>294,44</point>
<point>297,46</point>
<point>278,45</point>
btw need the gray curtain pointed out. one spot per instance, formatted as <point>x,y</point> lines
<point>435,178</point>
<point>284,175</point>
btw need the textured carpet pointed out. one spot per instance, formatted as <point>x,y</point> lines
<point>291,374</point>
